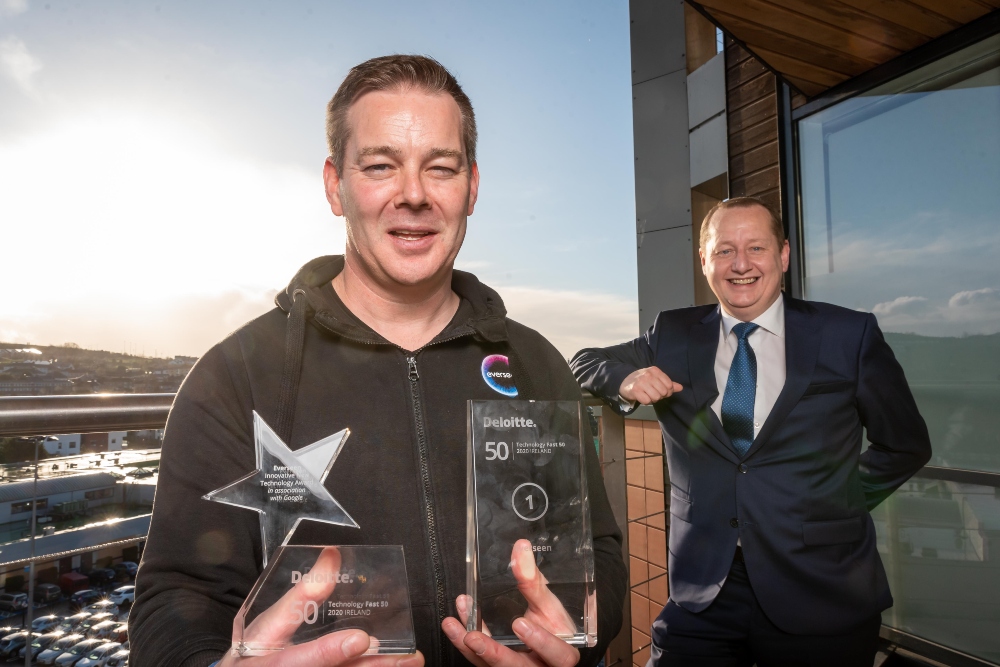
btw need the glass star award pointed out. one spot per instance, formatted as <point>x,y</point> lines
<point>529,550</point>
<point>308,591</point>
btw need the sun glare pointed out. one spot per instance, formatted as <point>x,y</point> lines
<point>136,213</point>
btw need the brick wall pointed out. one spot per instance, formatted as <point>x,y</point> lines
<point>647,526</point>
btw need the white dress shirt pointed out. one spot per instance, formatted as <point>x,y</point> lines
<point>768,344</point>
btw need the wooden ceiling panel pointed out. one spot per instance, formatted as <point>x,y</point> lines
<point>817,44</point>
<point>960,11</point>
<point>818,54</point>
<point>862,24</point>
<point>807,88</point>
<point>906,14</point>
<point>776,19</point>
<point>801,69</point>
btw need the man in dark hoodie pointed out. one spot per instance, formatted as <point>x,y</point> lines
<point>389,341</point>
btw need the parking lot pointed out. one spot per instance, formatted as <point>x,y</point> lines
<point>98,624</point>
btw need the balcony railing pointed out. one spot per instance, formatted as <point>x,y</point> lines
<point>48,415</point>
<point>89,413</point>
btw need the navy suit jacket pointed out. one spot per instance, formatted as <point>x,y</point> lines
<point>799,499</point>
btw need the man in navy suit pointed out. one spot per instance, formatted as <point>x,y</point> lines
<point>763,402</point>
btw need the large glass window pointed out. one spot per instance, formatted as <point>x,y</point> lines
<point>901,218</point>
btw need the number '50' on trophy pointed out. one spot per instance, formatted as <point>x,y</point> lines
<point>306,592</point>
<point>529,548</point>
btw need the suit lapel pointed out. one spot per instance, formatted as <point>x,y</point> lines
<point>802,340</point>
<point>703,344</point>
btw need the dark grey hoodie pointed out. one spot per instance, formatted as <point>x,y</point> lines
<point>310,368</point>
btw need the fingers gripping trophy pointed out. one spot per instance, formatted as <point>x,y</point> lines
<point>307,592</point>
<point>530,548</point>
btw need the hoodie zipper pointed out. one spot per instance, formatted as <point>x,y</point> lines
<point>425,476</point>
<point>413,375</point>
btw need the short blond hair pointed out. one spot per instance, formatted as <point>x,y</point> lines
<point>742,202</point>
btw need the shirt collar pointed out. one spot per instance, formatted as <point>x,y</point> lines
<point>771,320</point>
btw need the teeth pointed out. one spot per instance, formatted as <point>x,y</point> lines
<point>742,281</point>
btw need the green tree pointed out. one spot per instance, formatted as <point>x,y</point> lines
<point>17,450</point>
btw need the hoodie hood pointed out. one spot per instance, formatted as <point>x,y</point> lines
<point>481,314</point>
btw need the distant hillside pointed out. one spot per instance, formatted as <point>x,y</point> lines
<point>956,383</point>
<point>53,369</point>
<point>965,360</point>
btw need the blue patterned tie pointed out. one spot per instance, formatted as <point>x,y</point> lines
<point>741,391</point>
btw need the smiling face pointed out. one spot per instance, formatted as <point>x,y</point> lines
<point>405,189</point>
<point>744,261</point>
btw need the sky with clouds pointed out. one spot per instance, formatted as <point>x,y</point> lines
<point>161,161</point>
<point>914,208</point>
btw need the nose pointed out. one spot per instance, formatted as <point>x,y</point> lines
<point>741,263</point>
<point>412,192</point>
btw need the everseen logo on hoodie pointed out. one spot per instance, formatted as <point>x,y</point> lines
<point>496,373</point>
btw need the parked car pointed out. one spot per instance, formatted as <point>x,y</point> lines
<point>46,623</point>
<point>119,659</point>
<point>98,656</point>
<point>101,606</point>
<point>71,623</point>
<point>126,569</point>
<point>57,648</point>
<point>46,593</point>
<point>101,576</point>
<point>77,652</point>
<point>123,613</point>
<point>40,643</point>
<point>120,633</point>
<point>81,599</point>
<point>12,644</point>
<point>102,630</point>
<point>13,602</point>
<point>94,619</point>
<point>141,473</point>
<point>123,596</point>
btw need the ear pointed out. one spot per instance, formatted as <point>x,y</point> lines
<point>473,187</point>
<point>331,180</point>
<point>784,257</point>
<point>701,255</point>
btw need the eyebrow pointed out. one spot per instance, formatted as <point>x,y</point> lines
<point>388,151</point>
<point>446,152</point>
<point>762,239</point>
<point>396,154</point>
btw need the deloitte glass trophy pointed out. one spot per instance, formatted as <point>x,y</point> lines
<point>529,549</point>
<point>306,592</point>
